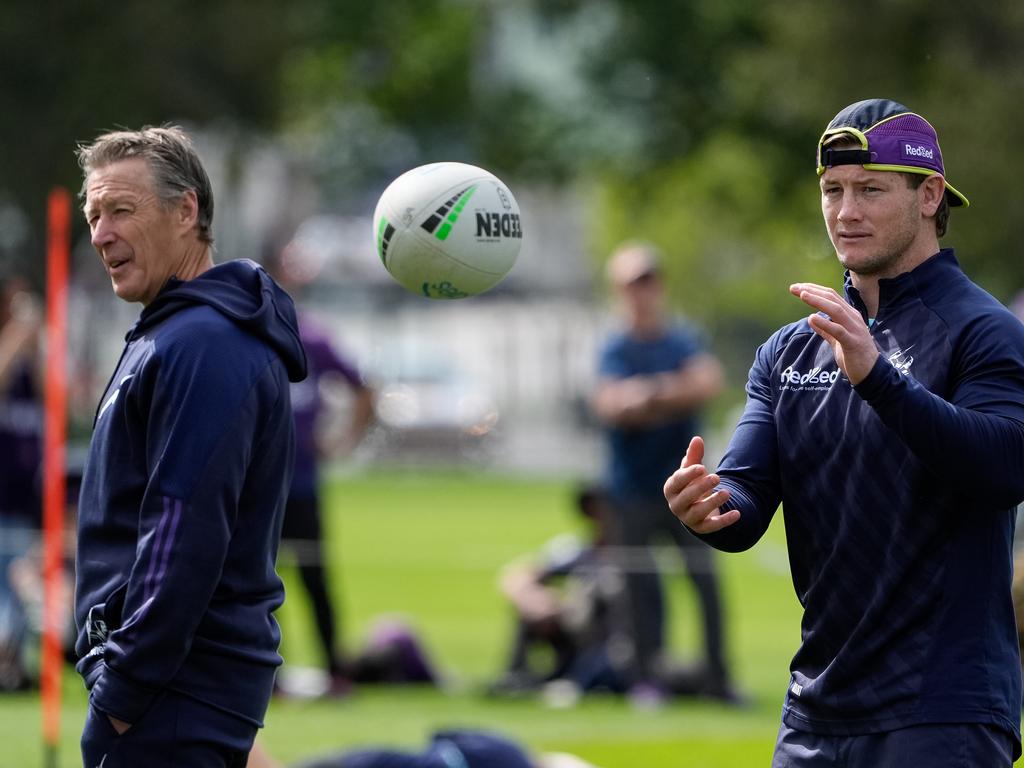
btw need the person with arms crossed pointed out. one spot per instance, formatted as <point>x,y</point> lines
<point>187,474</point>
<point>654,377</point>
<point>890,426</point>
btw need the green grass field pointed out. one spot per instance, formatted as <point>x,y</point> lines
<point>428,546</point>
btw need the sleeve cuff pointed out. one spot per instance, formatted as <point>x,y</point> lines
<point>115,695</point>
<point>878,381</point>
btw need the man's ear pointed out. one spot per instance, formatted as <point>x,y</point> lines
<point>188,209</point>
<point>930,194</point>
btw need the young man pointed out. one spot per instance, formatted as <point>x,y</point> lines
<point>189,466</point>
<point>654,378</point>
<point>890,425</point>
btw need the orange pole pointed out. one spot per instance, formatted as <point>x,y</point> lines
<point>54,438</point>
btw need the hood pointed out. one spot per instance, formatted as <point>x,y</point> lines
<point>242,291</point>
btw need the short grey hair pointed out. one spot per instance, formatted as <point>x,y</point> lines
<point>171,157</point>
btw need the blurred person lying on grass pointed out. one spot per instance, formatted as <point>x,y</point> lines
<point>468,748</point>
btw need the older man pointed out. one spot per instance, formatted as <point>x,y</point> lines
<point>187,474</point>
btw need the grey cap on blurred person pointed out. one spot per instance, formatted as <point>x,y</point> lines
<point>632,261</point>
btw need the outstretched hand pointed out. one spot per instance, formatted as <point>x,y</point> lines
<point>691,495</point>
<point>843,328</point>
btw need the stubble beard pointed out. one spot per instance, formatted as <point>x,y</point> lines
<point>886,262</point>
<point>879,264</point>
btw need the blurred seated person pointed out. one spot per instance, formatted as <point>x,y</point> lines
<point>568,606</point>
<point>573,622</point>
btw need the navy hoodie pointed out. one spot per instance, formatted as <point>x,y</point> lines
<point>183,496</point>
<point>898,498</point>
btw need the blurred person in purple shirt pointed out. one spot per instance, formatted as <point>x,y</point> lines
<point>317,436</point>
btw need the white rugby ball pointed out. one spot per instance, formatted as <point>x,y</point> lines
<point>447,230</point>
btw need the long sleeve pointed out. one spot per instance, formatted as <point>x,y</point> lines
<point>750,467</point>
<point>978,433</point>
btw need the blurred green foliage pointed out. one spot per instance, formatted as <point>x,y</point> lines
<point>70,70</point>
<point>690,123</point>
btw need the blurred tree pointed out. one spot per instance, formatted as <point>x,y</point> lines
<point>958,65</point>
<point>689,122</point>
<point>377,87</point>
<point>73,68</point>
<point>737,206</point>
<point>646,100</point>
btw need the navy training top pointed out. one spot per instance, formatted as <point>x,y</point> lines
<point>898,500</point>
<point>183,496</point>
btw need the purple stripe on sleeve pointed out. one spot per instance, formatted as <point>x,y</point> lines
<point>169,543</point>
<point>149,584</point>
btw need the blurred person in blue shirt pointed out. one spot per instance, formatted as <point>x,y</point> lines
<point>654,378</point>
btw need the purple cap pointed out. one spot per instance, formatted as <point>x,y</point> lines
<point>892,138</point>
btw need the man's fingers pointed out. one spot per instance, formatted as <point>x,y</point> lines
<point>717,522</point>
<point>828,329</point>
<point>701,515</point>
<point>841,322</point>
<point>814,289</point>
<point>691,495</point>
<point>814,292</point>
<point>694,452</point>
<point>683,477</point>
<point>828,302</point>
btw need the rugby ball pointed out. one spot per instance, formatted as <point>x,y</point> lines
<point>447,230</point>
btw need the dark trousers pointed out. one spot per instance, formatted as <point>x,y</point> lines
<point>638,521</point>
<point>303,534</point>
<point>176,732</point>
<point>946,745</point>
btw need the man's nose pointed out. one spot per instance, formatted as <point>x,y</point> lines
<point>102,233</point>
<point>849,209</point>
